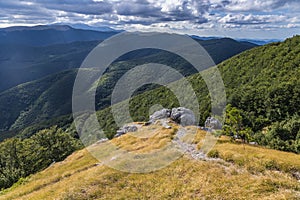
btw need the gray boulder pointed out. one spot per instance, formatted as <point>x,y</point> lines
<point>213,123</point>
<point>161,114</point>
<point>130,128</point>
<point>183,116</point>
<point>126,129</point>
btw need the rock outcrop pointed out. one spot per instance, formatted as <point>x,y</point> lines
<point>180,115</point>
<point>183,116</point>
<point>161,114</point>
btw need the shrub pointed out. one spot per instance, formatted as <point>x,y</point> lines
<point>213,154</point>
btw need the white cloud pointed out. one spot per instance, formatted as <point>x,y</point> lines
<point>249,19</point>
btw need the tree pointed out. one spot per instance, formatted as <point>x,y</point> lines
<point>234,124</point>
<point>233,121</point>
<point>55,144</point>
<point>10,162</point>
<point>20,158</point>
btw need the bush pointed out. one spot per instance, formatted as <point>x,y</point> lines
<point>213,154</point>
<point>284,135</point>
<point>272,165</point>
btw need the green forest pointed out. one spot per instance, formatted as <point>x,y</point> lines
<point>263,91</point>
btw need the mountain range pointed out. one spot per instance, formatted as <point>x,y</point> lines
<point>38,80</point>
<point>30,53</point>
<point>253,41</point>
<point>45,99</point>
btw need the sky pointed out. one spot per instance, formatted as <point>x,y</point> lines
<point>257,19</point>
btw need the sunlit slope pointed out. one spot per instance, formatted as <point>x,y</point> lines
<point>239,172</point>
<point>262,82</point>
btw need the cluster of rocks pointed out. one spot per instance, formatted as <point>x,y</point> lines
<point>183,117</point>
<point>180,115</point>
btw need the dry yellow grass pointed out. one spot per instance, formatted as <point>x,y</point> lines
<point>146,139</point>
<point>79,176</point>
<point>257,159</point>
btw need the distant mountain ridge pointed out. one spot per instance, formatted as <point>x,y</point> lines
<point>88,27</point>
<point>68,32</point>
<point>37,28</point>
<point>30,53</point>
<point>49,35</point>
<point>259,42</point>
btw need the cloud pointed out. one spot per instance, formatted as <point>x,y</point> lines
<point>255,5</point>
<point>146,11</point>
<point>24,12</point>
<point>168,14</point>
<point>157,11</point>
<point>250,19</point>
<point>136,8</point>
<point>88,7</point>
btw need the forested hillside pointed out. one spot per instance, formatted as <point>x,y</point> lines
<point>22,63</point>
<point>50,96</point>
<point>262,86</point>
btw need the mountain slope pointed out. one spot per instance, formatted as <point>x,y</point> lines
<point>24,96</point>
<point>236,172</point>
<point>262,83</point>
<point>20,63</point>
<point>88,27</point>
<point>39,100</point>
<point>51,96</point>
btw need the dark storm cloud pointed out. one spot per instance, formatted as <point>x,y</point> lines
<point>136,8</point>
<point>161,11</point>
<point>24,12</point>
<point>139,11</point>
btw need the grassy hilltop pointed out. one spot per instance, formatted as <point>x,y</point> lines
<point>240,172</point>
